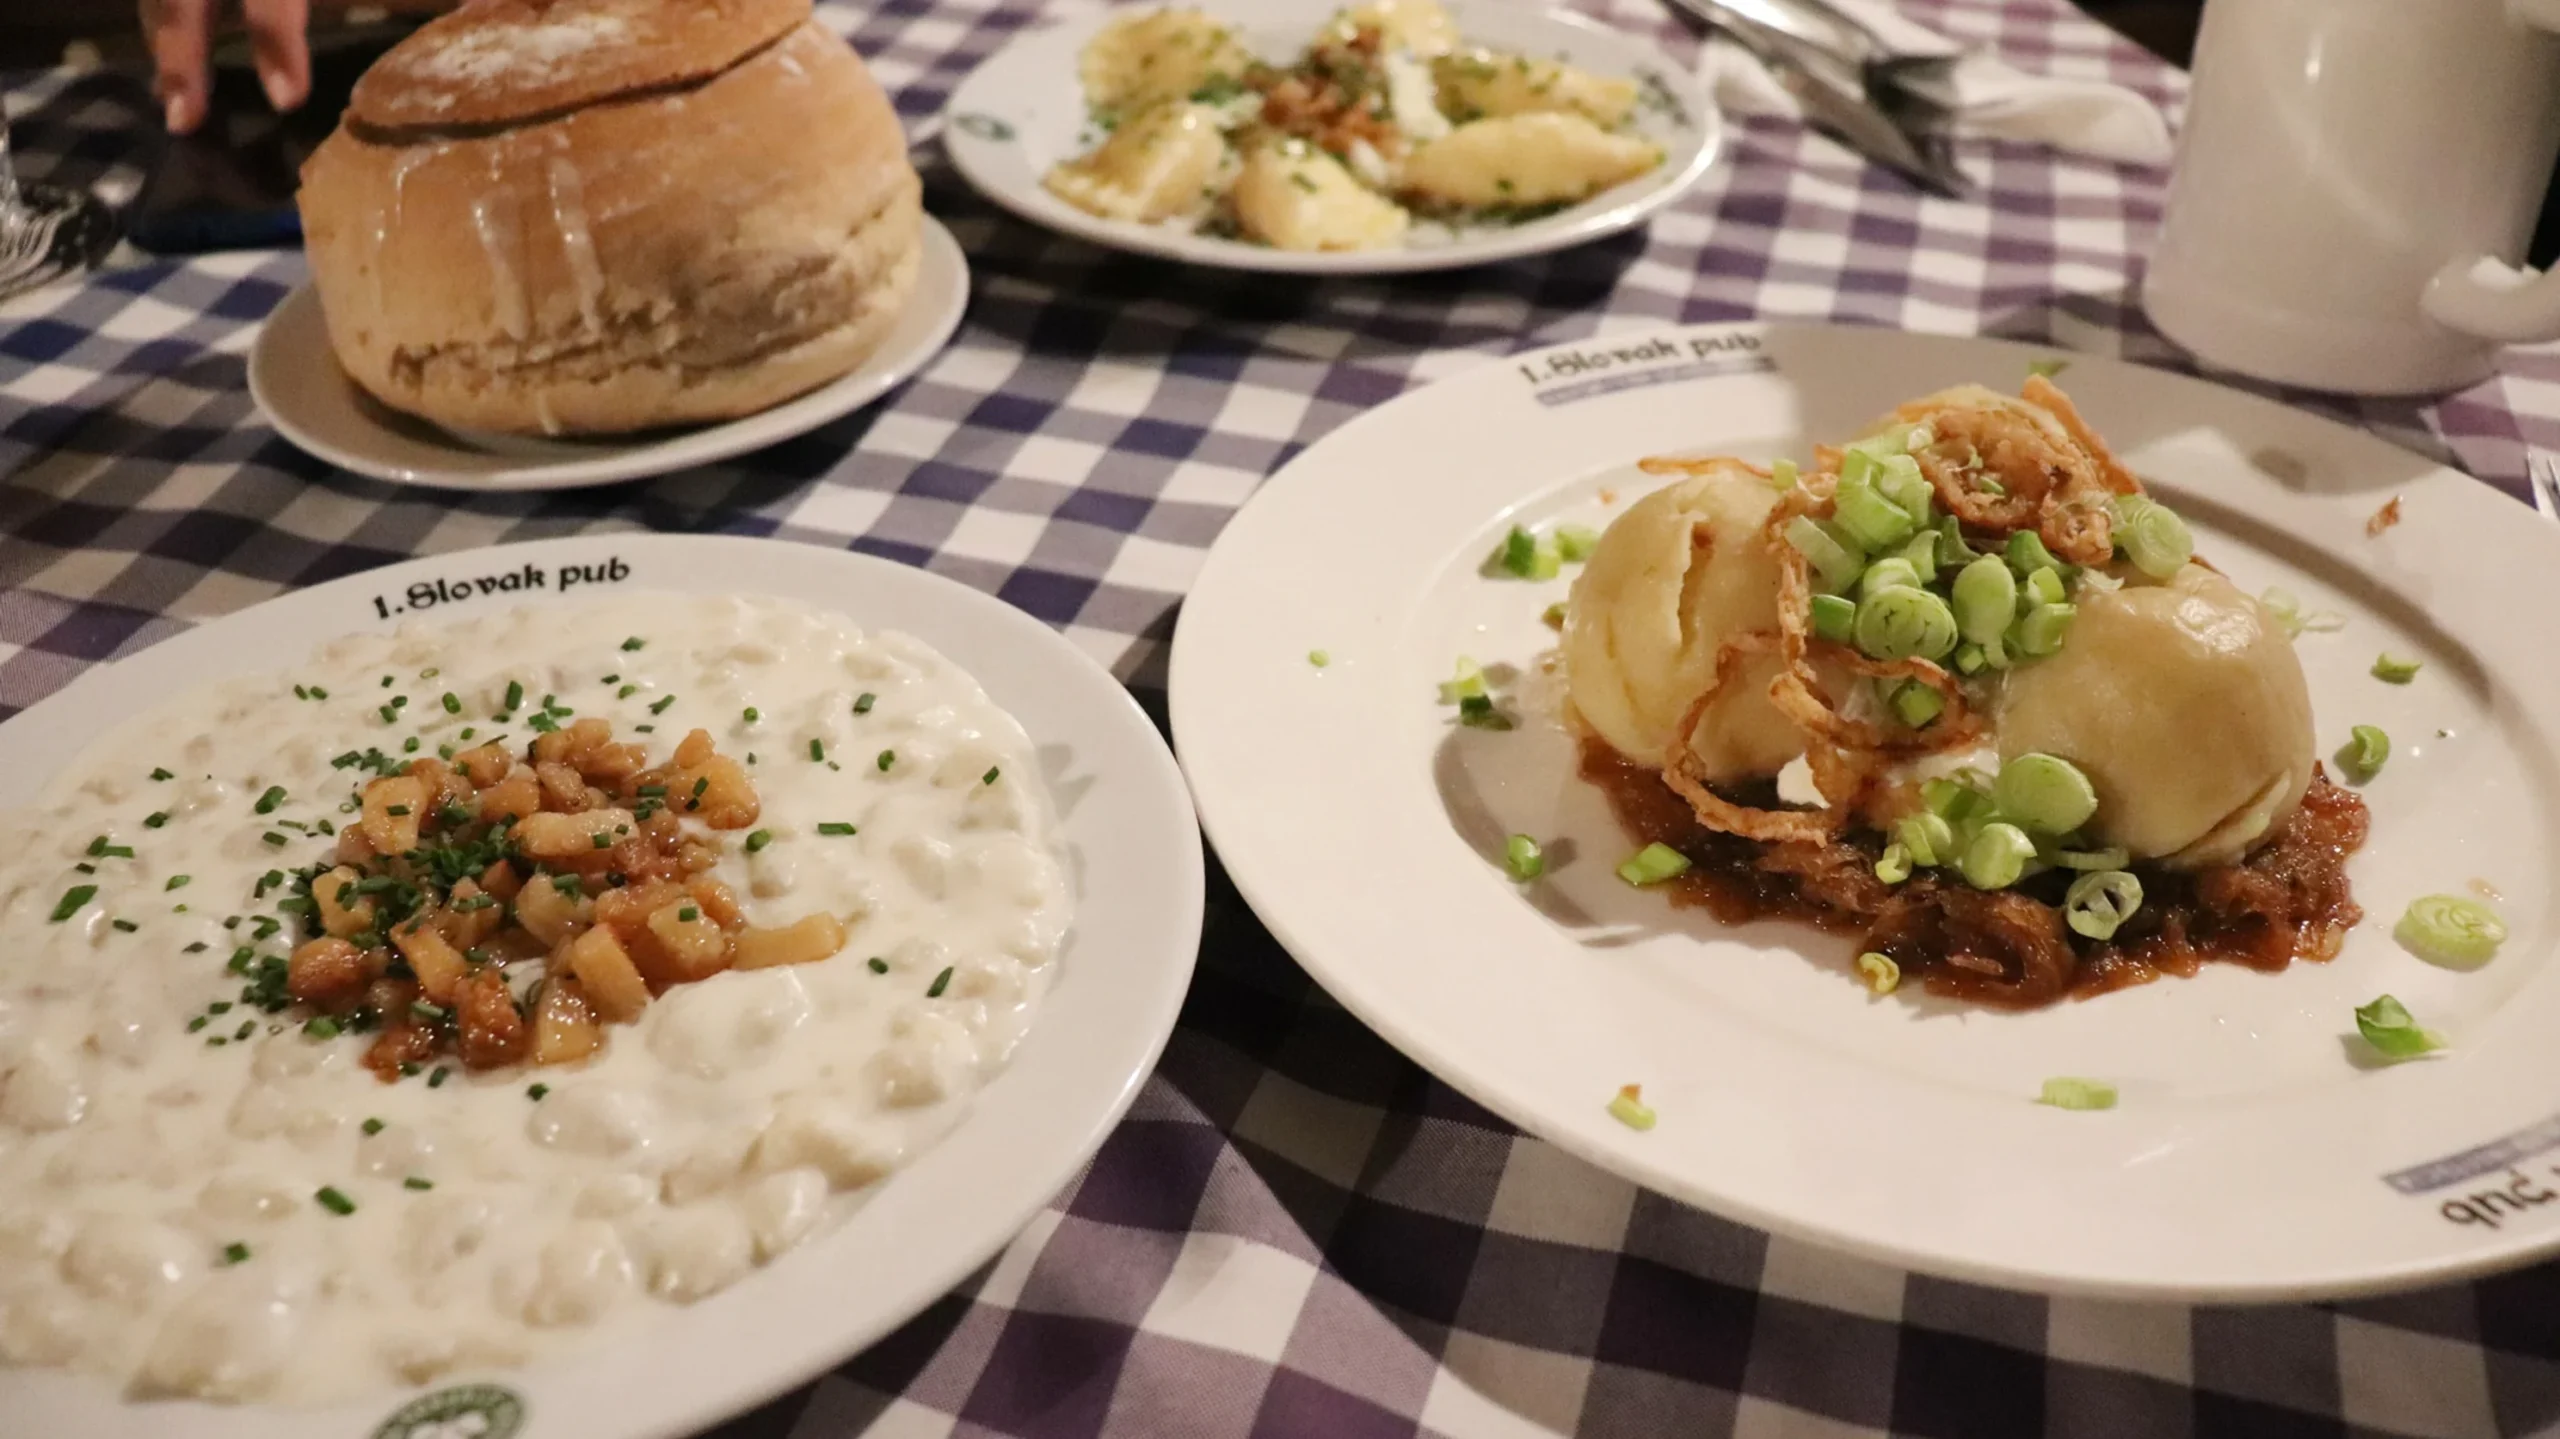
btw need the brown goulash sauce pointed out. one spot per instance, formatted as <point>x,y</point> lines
<point>2287,900</point>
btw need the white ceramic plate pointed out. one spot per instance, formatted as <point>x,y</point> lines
<point>1135,855</point>
<point>294,377</point>
<point>2251,1157</point>
<point>1023,110</point>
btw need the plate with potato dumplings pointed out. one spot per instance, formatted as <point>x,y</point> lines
<point>2016,816</point>
<point>1397,135</point>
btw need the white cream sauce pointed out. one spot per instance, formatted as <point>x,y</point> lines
<point>718,1132</point>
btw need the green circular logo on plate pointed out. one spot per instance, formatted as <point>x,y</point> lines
<point>465,1411</point>
<point>985,127</point>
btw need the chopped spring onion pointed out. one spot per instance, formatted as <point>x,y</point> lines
<point>1526,556</point>
<point>330,1199</point>
<point>1523,857</point>
<point>1835,565</point>
<point>1574,543</point>
<point>1468,682</point>
<point>1866,516</point>
<point>2393,669</point>
<point>2152,536</point>
<point>2098,903</point>
<point>1986,599</point>
<point>2387,1025</point>
<point>2450,929</point>
<point>1898,479</point>
<point>1926,837</point>
<point>1922,555</point>
<point>1477,712</point>
<point>2112,857</point>
<point>1783,474</point>
<point>1953,800</point>
<point>1882,975</point>
<point>1834,618</point>
<point>1888,574</point>
<point>320,1027</point>
<point>2026,553</point>
<point>1553,615</point>
<point>2364,752</point>
<point>1653,864</point>
<point>1915,704</point>
<point>1900,624</point>
<point>1894,865</point>
<point>1628,1108</point>
<point>2044,792</point>
<point>1997,856</point>
<point>2078,1094</point>
<point>2045,587</point>
<point>1952,550</point>
<point>2042,630</point>
<point>2047,369</point>
<point>2286,607</point>
<point>1319,658</point>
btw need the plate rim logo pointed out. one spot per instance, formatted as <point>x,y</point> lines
<point>434,1414</point>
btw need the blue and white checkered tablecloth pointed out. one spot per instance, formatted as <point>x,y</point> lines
<point>1296,1232</point>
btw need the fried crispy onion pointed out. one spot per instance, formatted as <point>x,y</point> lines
<point>2057,479</point>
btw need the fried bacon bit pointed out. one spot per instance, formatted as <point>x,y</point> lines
<point>2383,518</point>
<point>578,855</point>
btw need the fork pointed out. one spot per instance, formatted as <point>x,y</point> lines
<point>2543,469</point>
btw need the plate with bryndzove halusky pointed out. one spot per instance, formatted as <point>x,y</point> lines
<point>575,988</point>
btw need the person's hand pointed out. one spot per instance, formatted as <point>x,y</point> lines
<point>181,35</point>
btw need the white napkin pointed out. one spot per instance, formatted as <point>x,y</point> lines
<point>1990,98</point>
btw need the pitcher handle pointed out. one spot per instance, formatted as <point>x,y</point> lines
<point>2486,297</point>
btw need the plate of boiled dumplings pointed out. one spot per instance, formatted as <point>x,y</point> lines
<point>1395,135</point>
<point>2032,819</point>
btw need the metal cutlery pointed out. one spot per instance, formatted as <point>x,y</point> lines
<point>2543,469</point>
<point>1887,106</point>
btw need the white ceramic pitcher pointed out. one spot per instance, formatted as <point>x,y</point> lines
<point>2354,184</point>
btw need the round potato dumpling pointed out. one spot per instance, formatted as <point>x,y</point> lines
<point>2185,706</point>
<point>1681,572</point>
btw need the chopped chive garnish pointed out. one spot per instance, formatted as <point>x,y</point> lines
<point>452,703</point>
<point>515,694</point>
<point>274,837</point>
<point>162,775</point>
<point>321,1027</point>
<point>235,1253</point>
<point>835,826</point>
<point>758,840</point>
<point>333,1201</point>
<point>659,706</point>
<point>537,1091</point>
<point>633,643</point>
<point>879,966</point>
<point>752,714</point>
<point>125,925</point>
<point>100,849</point>
<point>651,791</point>
<point>72,898</point>
<point>940,983</point>
<point>818,752</point>
<point>626,692</point>
<point>863,702</point>
<point>155,819</point>
<point>373,1126</point>
<point>267,802</point>
<point>437,1079</point>
<point>177,881</point>
<point>688,914</point>
<point>415,1182</point>
<point>567,884</point>
<point>397,811</point>
<point>85,867</point>
<point>887,758</point>
<point>990,776</point>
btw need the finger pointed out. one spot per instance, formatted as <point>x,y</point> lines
<point>276,37</point>
<point>181,42</point>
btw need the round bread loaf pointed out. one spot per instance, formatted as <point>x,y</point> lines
<point>590,216</point>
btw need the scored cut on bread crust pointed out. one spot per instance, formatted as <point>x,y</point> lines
<point>500,61</point>
<point>681,252</point>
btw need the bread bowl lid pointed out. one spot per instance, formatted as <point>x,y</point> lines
<point>495,62</point>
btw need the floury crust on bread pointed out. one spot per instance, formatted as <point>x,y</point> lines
<point>596,216</point>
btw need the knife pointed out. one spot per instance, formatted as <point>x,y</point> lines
<point>1827,68</point>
